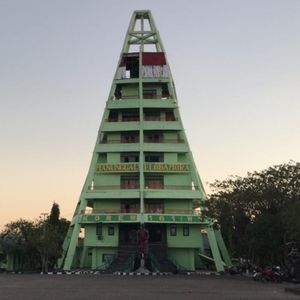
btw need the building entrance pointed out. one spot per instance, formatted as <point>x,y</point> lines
<point>157,233</point>
<point>128,233</point>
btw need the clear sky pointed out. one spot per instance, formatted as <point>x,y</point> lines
<point>236,65</point>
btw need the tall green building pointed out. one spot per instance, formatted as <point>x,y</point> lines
<point>142,172</point>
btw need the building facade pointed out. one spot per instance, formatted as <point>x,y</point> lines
<point>142,172</point>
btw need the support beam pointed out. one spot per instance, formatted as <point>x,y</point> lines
<point>72,248</point>
<point>214,249</point>
<point>223,248</point>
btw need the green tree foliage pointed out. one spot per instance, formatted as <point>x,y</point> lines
<point>260,212</point>
<point>38,243</point>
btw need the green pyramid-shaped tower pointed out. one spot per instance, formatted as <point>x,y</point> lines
<point>142,172</point>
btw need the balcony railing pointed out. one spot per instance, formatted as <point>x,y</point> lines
<point>152,118</point>
<point>171,187</point>
<point>137,186</point>
<point>158,118</point>
<point>135,210</point>
<point>113,187</point>
<point>124,119</point>
<point>119,141</point>
<point>159,97</point>
<point>161,141</point>
<point>124,97</point>
<point>101,211</point>
<point>165,141</point>
<point>171,211</point>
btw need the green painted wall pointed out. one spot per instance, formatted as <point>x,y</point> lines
<point>106,179</point>
<point>178,204</point>
<point>130,90</point>
<point>191,241</point>
<point>107,204</point>
<point>184,258</point>
<point>91,238</point>
<point>97,257</point>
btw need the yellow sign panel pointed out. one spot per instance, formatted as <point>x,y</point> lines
<point>159,167</point>
<point>133,167</point>
<point>117,168</point>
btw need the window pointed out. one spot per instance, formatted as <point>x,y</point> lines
<point>155,207</point>
<point>149,94</point>
<point>104,139</point>
<point>127,137</point>
<point>130,116</point>
<point>173,230</point>
<point>170,116</point>
<point>130,206</point>
<point>129,182</point>
<point>99,229</point>
<point>118,92</point>
<point>154,182</point>
<point>152,115</point>
<point>129,157</point>
<point>130,62</point>
<point>111,229</point>
<point>113,116</point>
<point>186,230</point>
<point>153,137</point>
<point>154,157</point>
<point>108,258</point>
<point>102,158</point>
<point>165,91</point>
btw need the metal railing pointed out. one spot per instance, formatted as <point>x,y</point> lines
<point>113,187</point>
<point>135,211</point>
<point>171,211</point>
<point>155,118</point>
<point>145,97</point>
<point>137,186</point>
<point>110,211</point>
<point>119,141</point>
<point>116,98</point>
<point>164,141</point>
<point>124,119</point>
<point>171,187</point>
<point>152,118</point>
<point>159,97</point>
<point>161,141</point>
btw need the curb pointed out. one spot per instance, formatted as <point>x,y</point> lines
<point>141,274</point>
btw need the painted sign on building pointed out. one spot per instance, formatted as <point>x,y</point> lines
<point>109,218</point>
<point>160,167</point>
<point>148,167</point>
<point>174,219</point>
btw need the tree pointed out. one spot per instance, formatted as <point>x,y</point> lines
<point>38,243</point>
<point>54,231</point>
<point>262,203</point>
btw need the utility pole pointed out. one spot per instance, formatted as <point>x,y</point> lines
<point>44,215</point>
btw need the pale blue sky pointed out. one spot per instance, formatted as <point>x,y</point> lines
<point>236,66</point>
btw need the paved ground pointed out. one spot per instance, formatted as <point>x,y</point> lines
<point>138,287</point>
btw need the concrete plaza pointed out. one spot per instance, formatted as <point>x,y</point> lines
<point>35,286</point>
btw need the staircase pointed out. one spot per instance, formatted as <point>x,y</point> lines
<point>159,258</point>
<point>124,262</point>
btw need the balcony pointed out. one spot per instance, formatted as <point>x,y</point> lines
<point>112,192</point>
<point>163,141</point>
<point>171,187</point>
<point>125,97</point>
<point>132,186</point>
<point>162,125</point>
<point>117,146</point>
